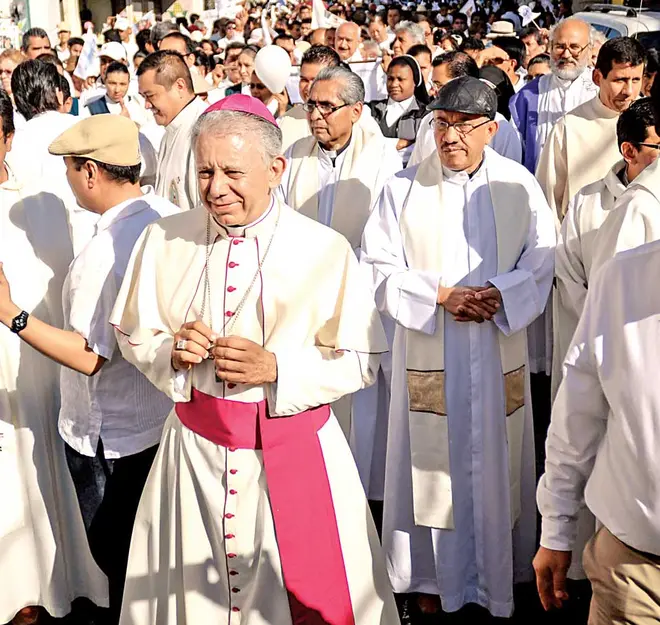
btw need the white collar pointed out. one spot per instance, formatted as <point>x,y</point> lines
<point>404,105</point>
<point>120,211</point>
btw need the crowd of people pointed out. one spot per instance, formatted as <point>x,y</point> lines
<point>275,299</point>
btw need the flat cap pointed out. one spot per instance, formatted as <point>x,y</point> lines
<point>467,95</point>
<point>109,139</point>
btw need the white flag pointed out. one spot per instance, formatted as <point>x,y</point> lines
<point>528,16</point>
<point>87,56</point>
<point>469,8</point>
<point>324,19</point>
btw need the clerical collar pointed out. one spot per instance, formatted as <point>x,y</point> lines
<point>462,176</point>
<point>333,154</point>
<point>247,230</point>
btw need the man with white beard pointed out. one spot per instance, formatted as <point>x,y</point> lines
<point>582,146</point>
<point>536,107</point>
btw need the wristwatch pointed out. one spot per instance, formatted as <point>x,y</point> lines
<point>19,322</point>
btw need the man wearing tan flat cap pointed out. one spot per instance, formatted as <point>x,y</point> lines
<point>111,416</point>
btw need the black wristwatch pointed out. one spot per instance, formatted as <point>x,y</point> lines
<point>19,322</point>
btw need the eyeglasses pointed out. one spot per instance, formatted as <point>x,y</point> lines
<point>324,108</point>
<point>462,128</point>
<point>655,146</point>
<point>498,60</point>
<point>574,49</point>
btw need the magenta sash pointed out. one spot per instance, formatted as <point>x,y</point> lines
<point>300,497</point>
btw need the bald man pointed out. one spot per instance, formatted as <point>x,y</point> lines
<point>536,107</point>
<point>166,85</point>
<point>347,42</point>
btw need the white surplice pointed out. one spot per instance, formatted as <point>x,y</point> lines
<point>44,555</point>
<point>310,306</point>
<point>506,141</point>
<point>603,441</point>
<point>176,177</point>
<point>479,559</point>
<point>43,173</point>
<point>575,248</point>
<point>634,220</point>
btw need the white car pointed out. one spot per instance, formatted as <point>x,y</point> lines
<point>620,21</point>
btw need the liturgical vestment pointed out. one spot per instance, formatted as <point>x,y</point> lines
<point>254,510</point>
<point>459,515</point>
<point>581,149</point>
<point>634,220</point>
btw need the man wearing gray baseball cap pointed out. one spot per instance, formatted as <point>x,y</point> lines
<point>462,252</point>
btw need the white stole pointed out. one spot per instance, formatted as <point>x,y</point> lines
<point>354,193</point>
<point>422,230</point>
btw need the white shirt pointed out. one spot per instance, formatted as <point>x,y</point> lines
<point>604,436</point>
<point>135,109</point>
<point>396,110</point>
<point>118,404</point>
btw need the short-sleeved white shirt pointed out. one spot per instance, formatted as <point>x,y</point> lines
<point>118,404</point>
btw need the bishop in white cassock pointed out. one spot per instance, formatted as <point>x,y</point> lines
<point>636,137</point>
<point>462,252</point>
<point>253,319</point>
<point>166,85</point>
<point>44,556</point>
<point>335,176</point>
<point>582,146</point>
<point>537,107</point>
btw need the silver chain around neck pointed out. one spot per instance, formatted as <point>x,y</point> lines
<point>206,297</point>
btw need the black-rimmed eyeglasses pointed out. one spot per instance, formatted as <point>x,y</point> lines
<point>324,108</point>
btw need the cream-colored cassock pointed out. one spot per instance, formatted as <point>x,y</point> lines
<point>341,195</point>
<point>41,173</point>
<point>176,177</point>
<point>193,542</point>
<point>581,149</point>
<point>459,517</point>
<point>294,125</point>
<point>506,141</point>
<point>44,555</point>
<point>634,220</point>
<point>575,249</point>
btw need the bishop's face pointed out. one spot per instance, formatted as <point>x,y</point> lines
<point>234,179</point>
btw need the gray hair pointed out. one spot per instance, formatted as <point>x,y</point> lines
<point>414,30</point>
<point>553,30</point>
<point>223,123</point>
<point>351,90</point>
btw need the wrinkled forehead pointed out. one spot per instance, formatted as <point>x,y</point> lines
<point>326,91</point>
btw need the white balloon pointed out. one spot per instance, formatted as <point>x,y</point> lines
<point>273,67</point>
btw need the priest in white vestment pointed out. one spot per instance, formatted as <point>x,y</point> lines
<point>253,319</point>
<point>38,98</point>
<point>44,556</point>
<point>335,176</point>
<point>602,447</point>
<point>637,140</point>
<point>166,86</point>
<point>540,104</point>
<point>582,146</point>
<point>462,251</point>
<point>293,123</point>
